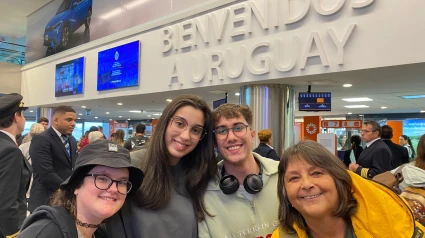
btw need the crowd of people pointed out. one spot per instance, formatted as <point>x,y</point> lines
<point>173,184</point>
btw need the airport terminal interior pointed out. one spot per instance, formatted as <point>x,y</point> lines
<point>308,69</point>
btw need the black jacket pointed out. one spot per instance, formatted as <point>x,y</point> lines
<point>400,153</point>
<point>52,222</point>
<point>15,174</point>
<point>357,153</point>
<point>265,151</point>
<point>375,159</point>
<point>52,165</point>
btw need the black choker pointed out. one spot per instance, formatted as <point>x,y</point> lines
<point>86,225</point>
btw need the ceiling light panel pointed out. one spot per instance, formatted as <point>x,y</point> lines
<point>357,99</point>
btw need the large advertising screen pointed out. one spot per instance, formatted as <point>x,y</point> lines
<point>64,24</point>
<point>118,67</point>
<point>69,78</point>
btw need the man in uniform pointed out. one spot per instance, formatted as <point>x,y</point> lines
<point>15,171</point>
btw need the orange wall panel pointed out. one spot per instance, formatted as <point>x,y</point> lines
<point>397,129</point>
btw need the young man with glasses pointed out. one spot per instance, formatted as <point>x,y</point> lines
<point>376,158</point>
<point>243,200</point>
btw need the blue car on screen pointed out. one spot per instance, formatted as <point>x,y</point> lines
<point>69,17</point>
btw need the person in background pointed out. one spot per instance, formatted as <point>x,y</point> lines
<point>53,153</point>
<point>35,129</point>
<point>119,137</point>
<point>15,171</point>
<point>101,130</point>
<point>399,153</point>
<point>97,188</point>
<point>356,149</point>
<point>95,135</point>
<point>42,121</point>
<point>179,163</point>
<point>265,148</point>
<point>85,140</point>
<point>242,199</point>
<point>406,142</point>
<point>318,197</point>
<point>138,141</point>
<point>376,158</point>
<point>81,139</point>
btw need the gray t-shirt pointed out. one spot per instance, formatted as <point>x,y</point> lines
<point>177,219</point>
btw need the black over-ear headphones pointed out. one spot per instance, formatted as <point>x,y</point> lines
<point>253,183</point>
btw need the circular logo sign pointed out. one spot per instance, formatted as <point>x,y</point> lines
<point>311,128</point>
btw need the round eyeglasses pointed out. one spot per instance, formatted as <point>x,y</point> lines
<point>104,182</point>
<point>179,125</point>
<point>239,130</point>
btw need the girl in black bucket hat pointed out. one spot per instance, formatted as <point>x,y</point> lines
<point>102,179</point>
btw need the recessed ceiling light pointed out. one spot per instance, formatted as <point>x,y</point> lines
<point>156,114</point>
<point>119,116</point>
<point>78,118</point>
<point>128,119</point>
<point>31,111</point>
<point>143,111</point>
<point>356,106</point>
<point>357,99</point>
<point>119,104</point>
<point>422,111</point>
<point>80,114</point>
<point>169,100</point>
<point>360,115</point>
<point>110,119</point>
<point>413,96</point>
<point>349,113</point>
<point>384,107</point>
<point>237,94</point>
<point>347,85</point>
<point>149,115</point>
<point>107,113</point>
<point>135,111</point>
<point>83,106</point>
<point>153,118</point>
<point>96,117</point>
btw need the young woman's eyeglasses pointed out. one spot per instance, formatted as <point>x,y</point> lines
<point>104,182</point>
<point>222,132</point>
<point>179,125</point>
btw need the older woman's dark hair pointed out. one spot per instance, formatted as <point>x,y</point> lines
<point>317,155</point>
<point>420,156</point>
<point>65,197</point>
<point>200,165</point>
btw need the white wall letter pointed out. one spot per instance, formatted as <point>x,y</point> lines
<point>341,43</point>
<point>362,4</point>
<point>280,53</point>
<point>198,63</point>
<point>314,39</point>
<point>217,25</point>
<point>167,43</point>
<point>203,29</point>
<point>261,15</point>
<point>187,34</point>
<point>263,60</point>
<point>215,64</point>
<point>287,13</point>
<point>323,12</point>
<point>176,74</point>
<point>240,15</point>
<point>230,58</point>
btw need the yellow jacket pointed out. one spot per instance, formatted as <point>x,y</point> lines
<point>380,213</point>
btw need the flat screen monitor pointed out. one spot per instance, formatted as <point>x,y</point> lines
<point>217,103</point>
<point>69,77</point>
<point>314,101</point>
<point>118,67</point>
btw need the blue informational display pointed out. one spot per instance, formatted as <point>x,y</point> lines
<point>69,79</point>
<point>314,101</point>
<point>118,67</point>
<point>217,103</point>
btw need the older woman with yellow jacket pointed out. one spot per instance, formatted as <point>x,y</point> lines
<point>319,198</point>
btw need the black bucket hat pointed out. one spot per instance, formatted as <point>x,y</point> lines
<point>109,154</point>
